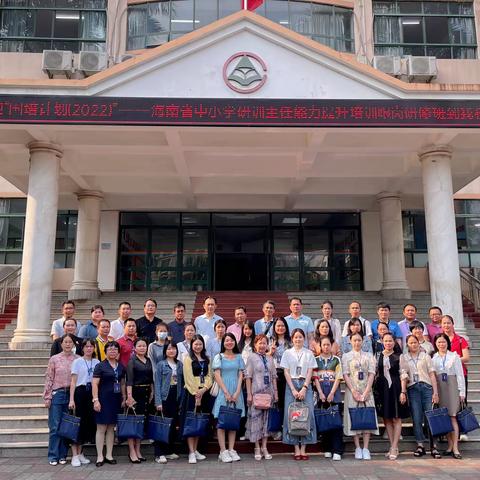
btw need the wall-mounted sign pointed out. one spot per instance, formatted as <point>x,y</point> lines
<point>245,72</point>
<point>77,110</point>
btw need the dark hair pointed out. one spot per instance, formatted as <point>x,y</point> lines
<point>165,348</point>
<point>442,335</point>
<point>124,303</point>
<point>260,336</point>
<point>298,300</point>
<point>251,326</point>
<point>318,337</point>
<point>411,336</point>
<point>69,335</point>
<point>92,342</point>
<point>384,324</point>
<point>327,302</point>
<point>269,302</point>
<point>208,298</point>
<point>179,305</point>
<point>68,319</point>
<point>222,321</point>
<point>222,344</point>
<point>150,300</point>
<point>355,301</point>
<point>298,330</point>
<point>111,343</point>
<point>449,317</point>
<point>287,330</point>
<point>409,305</point>
<point>68,302</point>
<point>240,307</point>
<point>383,305</point>
<point>389,333</point>
<point>351,335</point>
<point>140,339</point>
<point>130,320</point>
<point>97,307</point>
<point>161,324</point>
<point>203,353</point>
<point>416,324</point>
<point>434,307</point>
<point>353,321</point>
<point>104,320</point>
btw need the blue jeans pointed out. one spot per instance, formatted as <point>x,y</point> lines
<point>57,448</point>
<point>420,399</point>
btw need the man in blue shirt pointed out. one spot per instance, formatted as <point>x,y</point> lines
<point>383,312</point>
<point>205,323</point>
<point>265,324</point>
<point>297,319</point>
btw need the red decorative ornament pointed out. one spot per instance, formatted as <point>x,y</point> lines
<point>251,4</point>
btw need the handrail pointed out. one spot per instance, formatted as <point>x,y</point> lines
<point>9,287</point>
<point>470,286</point>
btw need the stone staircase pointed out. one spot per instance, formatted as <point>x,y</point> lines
<point>23,418</point>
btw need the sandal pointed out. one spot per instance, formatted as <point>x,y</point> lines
<point>457,456</point>
<point>393,454</point>
<point>435,453</point>
<point>258,454</point>
<point>420,451</point>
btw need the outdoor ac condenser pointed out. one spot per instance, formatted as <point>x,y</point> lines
<point>57,62</point>
<point>92,62</point>
<point>388,64</point>
<point>421,69</point>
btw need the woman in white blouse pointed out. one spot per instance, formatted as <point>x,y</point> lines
<point>451,386</point>
<point>298,363</point>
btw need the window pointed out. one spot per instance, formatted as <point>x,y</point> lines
<point>37,25</point>
<point>154,23</point>
<point>441,29</point>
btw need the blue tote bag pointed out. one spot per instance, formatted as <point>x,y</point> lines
<point>327,419</point>
<point>158,428</point>
<point>363,418</point>
<point>275,419</point>
<point>195,424</point>
<point>467,421</point>
<point>439,421</point>
<point>130,426</point>
<point>69,426</point>
<point>229,417</point>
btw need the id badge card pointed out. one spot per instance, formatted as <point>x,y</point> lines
<point>326,378</point>
<point>444,377</point>
<point>298,371</point>
<point>415,378</point>
<point>202,379</point>
<point>361,376</point>
<point>88,386</point>
<point>266,380</point>
<point>116,387</point>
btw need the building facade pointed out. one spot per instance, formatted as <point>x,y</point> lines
<point>226,149</point>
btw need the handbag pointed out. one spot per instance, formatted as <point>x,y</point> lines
<point>363,418</point>
<point>275,420</point>
<point>69,426</point>
<point>215,389</point>
<point>467,421</point>
<point>196,424</point>
<point>327,419</point>
<point>130,426</point>
<point>439,421</point>
<point>298,419</point>
<point>159,427</point>
<point>262,401</point>
<point>229,417</point>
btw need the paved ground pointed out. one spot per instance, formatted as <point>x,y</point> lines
<point>282,467</point>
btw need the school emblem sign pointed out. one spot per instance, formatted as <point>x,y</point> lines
<point>245,72</point>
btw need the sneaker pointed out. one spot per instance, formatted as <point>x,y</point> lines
<point>83,459</point>
<point>225,457</point>
<point>336,457</point>
<point>366,454</point>
<point>76,461</point>
<point>62,461</point>
<point>199,456</point>
<point>234,455</point>
<point>53,463</point>
<point>242,438</point>
<point>358,453</point>
<point>161,459</point>
<point>192,458</point>
<point>463,437</point>
<point>327,454</point>
<point>172,456</point>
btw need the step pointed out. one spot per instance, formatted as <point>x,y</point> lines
<point>20,399</point>
<point>24,361</point>
<point>15,388</point>
<point>17,421</point>
<point>26,410</point>
<point>43,352</point>
<point>8,435</point>
<point>24,370</point>
<point>20,379</point>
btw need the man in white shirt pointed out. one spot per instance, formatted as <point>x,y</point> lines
<point>265,324</point>
<point>297,319</point>
<point>355,309</point>
<point>117,327</point>
<point>68,311</point>
<point>205,323</point>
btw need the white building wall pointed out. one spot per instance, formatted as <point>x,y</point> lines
<point>108,248</point>
<point>372,251</point>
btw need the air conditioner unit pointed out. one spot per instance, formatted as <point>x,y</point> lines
<point>388,64</point>
<point>92,62</point>
<point>421,69</point>
<point>57,62</point>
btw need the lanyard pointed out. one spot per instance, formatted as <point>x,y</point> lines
<point>89,368</point>
<point>443,362</point>
<point>299,358</point>
<point>264,360</point>
<point>415,362</point>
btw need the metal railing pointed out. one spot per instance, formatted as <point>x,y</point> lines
<point>9,287</point>
<point>470,288</point>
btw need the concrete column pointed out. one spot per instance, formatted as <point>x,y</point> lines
<point>442,245</point>
<point>33,325</point>
<point>393,259</point>
<point>85,279</point>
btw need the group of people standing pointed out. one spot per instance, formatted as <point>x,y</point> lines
<point>401,369</point>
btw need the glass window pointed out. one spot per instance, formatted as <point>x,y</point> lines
<point>285,248</point>
<point>246,219</point>
<point>195,248</point>
<point>164,248</point>
<point>316,248</point>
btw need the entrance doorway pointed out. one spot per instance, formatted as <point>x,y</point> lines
<point>241,258</point>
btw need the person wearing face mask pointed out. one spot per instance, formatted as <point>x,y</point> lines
<point>155,349</point>
<point>127,342</point>
<point>69,326</point>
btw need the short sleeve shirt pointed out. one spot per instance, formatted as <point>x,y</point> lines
<point>298,362</point>
<point>84,368</point>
